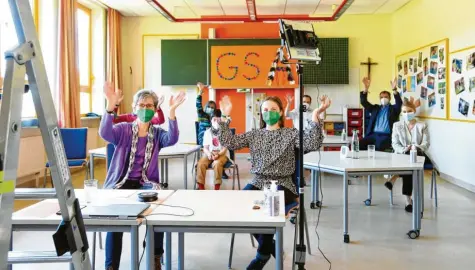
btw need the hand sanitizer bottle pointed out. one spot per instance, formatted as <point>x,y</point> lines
<point>344,137</point>
<point>413,154</point>
<point>273,200</point>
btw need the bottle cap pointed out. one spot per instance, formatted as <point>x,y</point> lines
<point>273,186</point>
<point>413,147</point>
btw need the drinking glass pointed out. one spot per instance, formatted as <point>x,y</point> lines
<point>371,151</point>
<point>90,189</point>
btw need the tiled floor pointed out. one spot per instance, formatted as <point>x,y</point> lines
<point>378,232</point>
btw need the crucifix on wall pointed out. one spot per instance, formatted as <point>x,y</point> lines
<point>369,64</point>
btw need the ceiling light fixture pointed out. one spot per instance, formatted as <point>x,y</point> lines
<point>161,10</point>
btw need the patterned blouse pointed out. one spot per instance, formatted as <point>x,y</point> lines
<point>272,151</point>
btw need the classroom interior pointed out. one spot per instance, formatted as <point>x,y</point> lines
<point>168,46</point>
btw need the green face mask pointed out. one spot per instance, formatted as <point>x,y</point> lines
<point>145,115</point>
<point>271,117</point>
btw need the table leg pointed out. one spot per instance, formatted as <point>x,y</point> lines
<point>185,170</point>
<point>370,191</point>
<point>134,247</point>
<point>314,193</point>
<point>168,250</point>
<point>149,247</point>
<point>10,266</point>
<point>279,249</point>
<point>346,236</point>
<point>421,173</point>
<point>93,256</point>
<point>181,251</point>
<point>91,166</point>
<point>166,171</point>
<point>162,173</point>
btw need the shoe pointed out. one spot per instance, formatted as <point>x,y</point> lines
<point>389,185</point>
<point>201,186</point>
<point>224,176</point>
<point>408,208</point>
<point>158,262</point>
<point>258,263</point>
<point>109,268</point>
<point>217,186</point>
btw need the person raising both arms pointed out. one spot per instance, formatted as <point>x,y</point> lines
<point>272,149</point>
<point>134,164</point>
<point>307,111</point>
<point>383,117</point>
<point>204,114</point>
<point>157,119</point>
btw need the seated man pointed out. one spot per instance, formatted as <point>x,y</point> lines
<point>214,153</point>
<point>382,118</point>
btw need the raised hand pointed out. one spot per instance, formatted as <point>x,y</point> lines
<point>113,95</point>
<point>367,83</point>
<point>177,100</point>
<point>201,88</point>
<point>325,103</point>
<point>226,106</point>
<point>289,98</point>
<point>393,83</point>
<point>161,99</point>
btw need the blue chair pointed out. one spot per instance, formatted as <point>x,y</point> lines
<point>229,166</point>
<point>75,146</point>
<point>110,148</point>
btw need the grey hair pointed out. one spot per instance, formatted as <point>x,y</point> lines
<point>143,94</point>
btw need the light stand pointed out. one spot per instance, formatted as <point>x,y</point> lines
<point>297,41</point>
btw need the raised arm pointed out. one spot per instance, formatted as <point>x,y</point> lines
<point>289,100</point>
<point>230,141</point>
<point>364,95</point>
<point>170,137</point>
<point>398,102</point>
<point>107,130</point>
<point>313,136</point>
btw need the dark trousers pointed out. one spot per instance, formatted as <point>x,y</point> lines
<point>407,179</point>
<point>114,239</point>
<point>381,141</point>
<point>266,241</point>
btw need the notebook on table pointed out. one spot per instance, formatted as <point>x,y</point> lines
<point>115,211</point>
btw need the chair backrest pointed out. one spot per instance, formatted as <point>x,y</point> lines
<point>110,148</point>
<point>231,152</point>
<point>75,142</point>
<point>197,127</point>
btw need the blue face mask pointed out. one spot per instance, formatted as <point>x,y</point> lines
<point>209,110</point>
<point>408,117</point>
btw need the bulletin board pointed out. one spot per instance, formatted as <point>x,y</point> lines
<point>246,67</point>
<point>462,85</point>
<point>422,75</point>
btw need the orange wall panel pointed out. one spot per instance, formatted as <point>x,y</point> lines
<point>241,30</point>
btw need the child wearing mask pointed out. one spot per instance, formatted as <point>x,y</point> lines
<point>214,153</point>
<point>204,114</point>
<point>272,156</point>
<point>406,133</point>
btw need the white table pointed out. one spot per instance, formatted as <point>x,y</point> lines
<point>334,141</point>
<point>384,163</point>
<point>42,217</point>
<point>234,215</point>
<point>176,151</point>
<point>96,153</point>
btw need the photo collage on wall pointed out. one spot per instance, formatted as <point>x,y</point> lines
<point>462,84</point>
<point>422,77</point>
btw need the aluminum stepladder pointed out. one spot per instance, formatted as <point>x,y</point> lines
<point>28,59</point>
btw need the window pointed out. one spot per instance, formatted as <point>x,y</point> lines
<point>8,40</point>
<point>83,16</point>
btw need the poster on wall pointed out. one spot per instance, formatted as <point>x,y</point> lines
<point>462,84</point>
<point>249,67</point>
<point>422,77</point>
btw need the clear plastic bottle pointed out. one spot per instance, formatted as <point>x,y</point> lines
<point>273,204</point>
<point>344,136</point>
<point>355,144</point>
<point>413,154</point>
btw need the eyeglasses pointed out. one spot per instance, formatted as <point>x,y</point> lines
<point>143,106</point>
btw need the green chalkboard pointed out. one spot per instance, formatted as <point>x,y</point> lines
<point>184,62</point>
<point>334,67</point>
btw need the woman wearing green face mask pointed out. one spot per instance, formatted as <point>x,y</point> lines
<point>134,164</point>
<point>272,155</point>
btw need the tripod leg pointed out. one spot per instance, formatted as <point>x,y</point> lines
<point>295,242</point>
<point>306,232</point>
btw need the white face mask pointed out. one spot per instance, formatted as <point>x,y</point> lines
<point>306,107</point>
<point>215,124</point>
<point>384,101</point>
<point>408,116</point>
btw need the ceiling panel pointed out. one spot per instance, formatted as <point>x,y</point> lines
<point>365,6</point>
<point>392,6</point>
<point>131,8</point>
<point>205,7</point>
<point>234,7</point>
<point>301,6</point>
<point>325,7</point>
<point>270,7</point>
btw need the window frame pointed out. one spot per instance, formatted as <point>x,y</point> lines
<point>90,75</point>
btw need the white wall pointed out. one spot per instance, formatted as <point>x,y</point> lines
<point>452,143</point>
